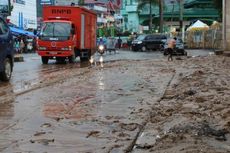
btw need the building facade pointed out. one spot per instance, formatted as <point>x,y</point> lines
<point>24,14</point>
<point>135,18</point>
<point>129,12</point>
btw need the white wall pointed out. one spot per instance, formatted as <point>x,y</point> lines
<point>24,15</point>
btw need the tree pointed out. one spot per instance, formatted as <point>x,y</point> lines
<point>160,3</point>
<point>81,2</point>
<point>161,10</point>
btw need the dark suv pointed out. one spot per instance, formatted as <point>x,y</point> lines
<point>6,51</point>
<point>149,42</point>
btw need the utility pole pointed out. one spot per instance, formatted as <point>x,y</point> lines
<point>161,15</point>
<point>171,24</point>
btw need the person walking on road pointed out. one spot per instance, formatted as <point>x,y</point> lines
<point>171,46</point>
<point>119,42</point>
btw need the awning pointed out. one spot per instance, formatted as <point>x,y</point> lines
<point>198,25</point>
<point>17,31</point>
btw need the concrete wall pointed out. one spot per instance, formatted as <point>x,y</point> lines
<point>227,20</point>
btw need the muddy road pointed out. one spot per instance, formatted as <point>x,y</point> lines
<point>128,105</point>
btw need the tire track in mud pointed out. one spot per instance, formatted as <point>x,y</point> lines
<point>143,125</point>
<point>49,83</point>
<point>36,87</point>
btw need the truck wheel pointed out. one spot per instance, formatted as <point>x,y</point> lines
<point>45,60</point>
<point>72,59</point>
<point>7,70</point>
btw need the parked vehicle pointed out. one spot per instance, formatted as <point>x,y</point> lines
<point>178,50</point>
<point>148,42</point>
<point>6,51</point>
<point>67,32</point>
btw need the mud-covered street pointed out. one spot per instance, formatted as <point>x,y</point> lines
<point>131,104</point>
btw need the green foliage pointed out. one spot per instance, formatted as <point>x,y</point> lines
<point>81,2</point>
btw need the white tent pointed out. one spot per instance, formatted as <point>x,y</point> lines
<point>198,25</point>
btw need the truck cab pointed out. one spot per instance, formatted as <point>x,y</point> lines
<point>6,51</point>
<point>57,39</point>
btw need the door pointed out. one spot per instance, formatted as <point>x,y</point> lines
<point>148,41</point>
<point>82,31</point>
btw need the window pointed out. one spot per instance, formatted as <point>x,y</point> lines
<point>3,27</point>
<point>153,37</point>
<point>57,30</point>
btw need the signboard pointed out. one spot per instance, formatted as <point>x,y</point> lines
<point>4,7</point>
<point>20,2</point>
<point>45,2</point>
<point>145,27</point>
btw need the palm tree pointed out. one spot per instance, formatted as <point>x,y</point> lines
<point>161,10</point>
<point>160,3</point>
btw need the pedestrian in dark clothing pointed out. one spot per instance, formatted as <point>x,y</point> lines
<point>171,46</point>
<point>119,42</point>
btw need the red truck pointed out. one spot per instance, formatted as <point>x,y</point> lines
<point>67,32</point>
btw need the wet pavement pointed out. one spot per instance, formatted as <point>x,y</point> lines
<point>81,107</point>
<point>32,72</point>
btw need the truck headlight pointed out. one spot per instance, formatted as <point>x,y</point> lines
<point>66,48</point>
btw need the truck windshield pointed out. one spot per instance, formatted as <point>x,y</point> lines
<point>55,31</point>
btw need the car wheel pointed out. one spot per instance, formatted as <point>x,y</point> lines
<point>7,71</point>
<point>133,49</point>
<point>162,48</point>
<point>185,53</point>
<point>143,48</point>
<point>45,60</point>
